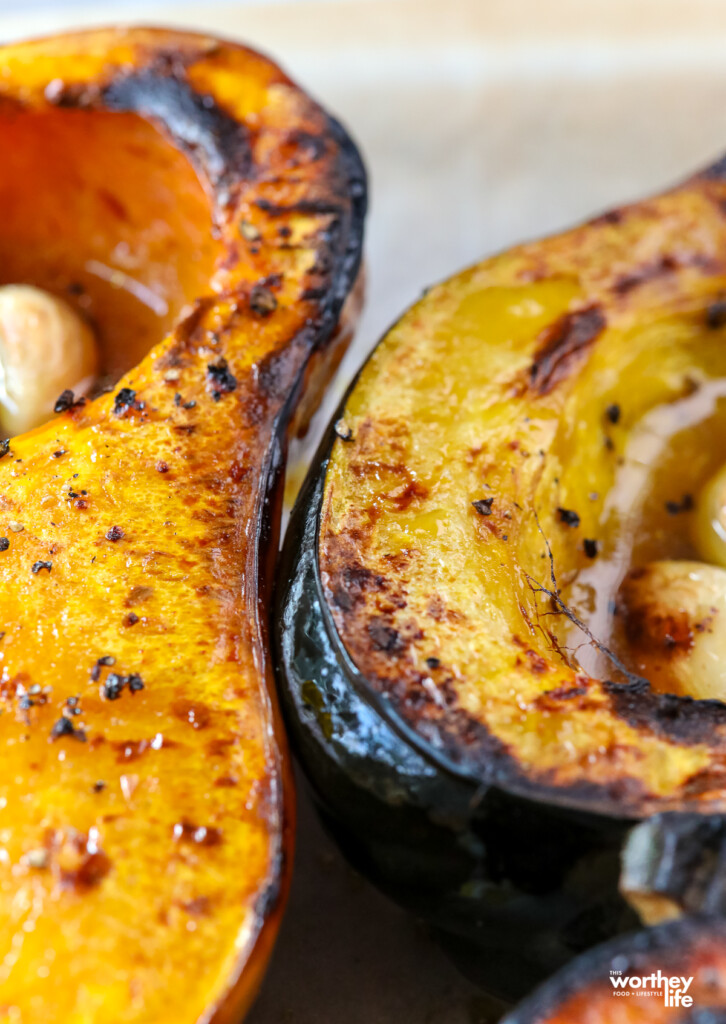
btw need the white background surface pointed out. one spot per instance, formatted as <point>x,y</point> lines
<point>483,122</point>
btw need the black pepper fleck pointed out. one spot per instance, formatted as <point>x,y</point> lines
<point>613,413</point>
<point>114,534</point>
<point>113,686</point>
<point>673,508</point>
<point>124,400</point>
<point>590,547</point>
<point>568,517</point>
<point>64,727</point>
<point>39,566</point>
<point>4,543</point>
<point>220,378</point>
<point>483,506</point>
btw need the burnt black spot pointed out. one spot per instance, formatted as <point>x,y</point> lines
<point>483,506</point>
<point>674,508</point>
<point>568,516</point>
<point>590,547</point>
<point>716,314</point>
<point>561,345</point>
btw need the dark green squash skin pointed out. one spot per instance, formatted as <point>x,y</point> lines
<point>515,887</point>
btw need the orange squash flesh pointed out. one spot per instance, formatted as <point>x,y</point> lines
<point>161,182</point>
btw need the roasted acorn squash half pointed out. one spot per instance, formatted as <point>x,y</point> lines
<point>183,194</point>
<point>674,972</point>
<point>473,714</point>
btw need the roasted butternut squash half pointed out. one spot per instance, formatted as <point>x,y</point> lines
<point>204,217</point>
<point>674,972</point>
<point>492,636</point>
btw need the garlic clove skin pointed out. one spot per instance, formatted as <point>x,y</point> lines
<point>45,348</point>
<point>709,522</point>
<point>674,617</point>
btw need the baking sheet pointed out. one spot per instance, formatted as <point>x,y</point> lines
<point>482,123</point>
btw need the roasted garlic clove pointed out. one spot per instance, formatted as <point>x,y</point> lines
<point>709,523</point>
<point>45,348</point>
<point>674,616</point>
